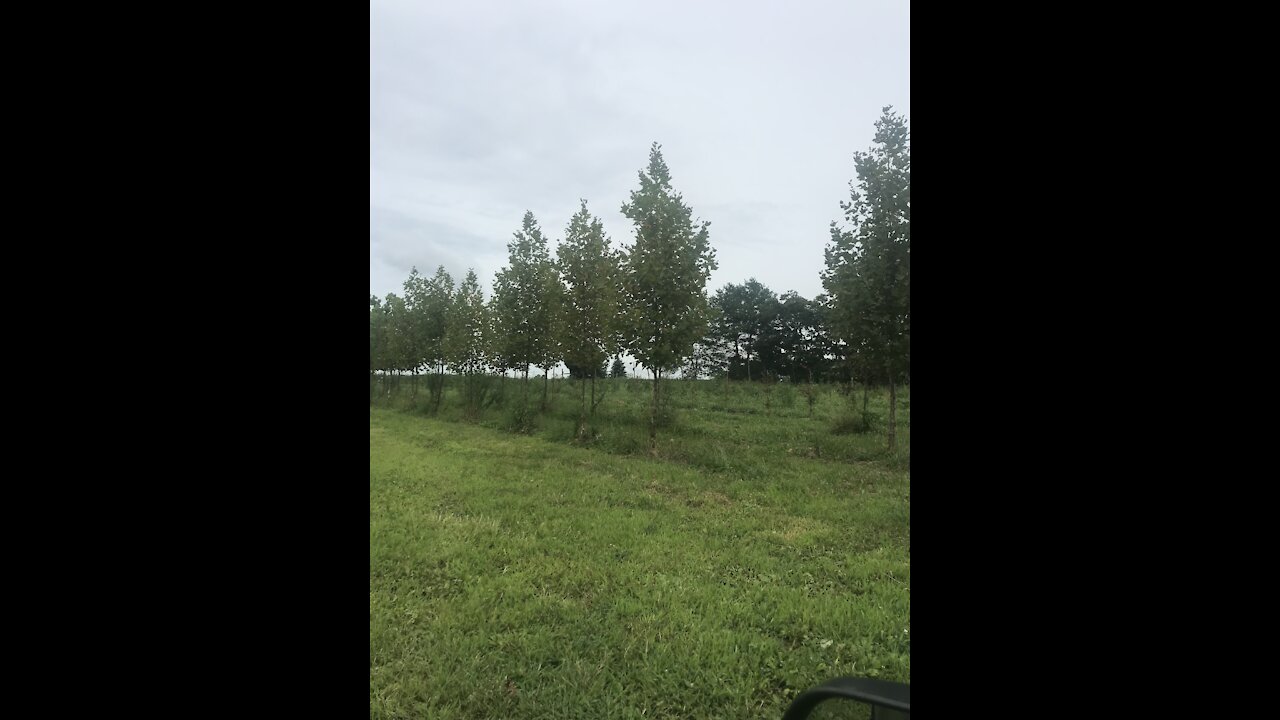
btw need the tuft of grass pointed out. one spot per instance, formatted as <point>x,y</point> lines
<point>520,418</point>
<point>852,424</point>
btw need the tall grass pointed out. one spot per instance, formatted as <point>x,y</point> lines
<point>696,419</point>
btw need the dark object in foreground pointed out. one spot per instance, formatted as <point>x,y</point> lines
<point>888,700</point>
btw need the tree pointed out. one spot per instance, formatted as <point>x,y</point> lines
<point>398,334</point>
<point>377,340</point>
<point>415,296</point>
<point>868,266</point>
<point>796,342</point>
<point>435,303</point>
<point>618,370</point>
<point>466,339</point>
<point>527,297</point>
<point>708,359</point>
<point>745,312</point>
<point>590,273</point>
<point>586,372</point>
<point>665,272</point>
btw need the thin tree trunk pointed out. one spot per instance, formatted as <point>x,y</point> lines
<point>415,383</point>
<point>526,388</point>
<point>582,407</point>
<point>473,394</point>
<point>653,416</point>
<point>546,379</point>
<point>593,394</point>
<point>865,390</point>
<point>439,392</point>
<point>893,419</point>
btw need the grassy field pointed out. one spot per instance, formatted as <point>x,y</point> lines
<point>534,576</point>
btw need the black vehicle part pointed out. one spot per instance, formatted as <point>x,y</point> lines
<point>888,700</point>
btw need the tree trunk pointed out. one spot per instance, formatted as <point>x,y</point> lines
<point>593,394</point>
<point>653,416</point>
<point>439,393</point>
<point>865,390</point>
<point>546,379</point>
<point>893,419</point>
<point>582,407</point>
<point>415,383</point>
<point>473,394</point>
<point>526,388</point>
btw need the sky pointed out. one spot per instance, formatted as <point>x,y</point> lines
<point>479,111</point>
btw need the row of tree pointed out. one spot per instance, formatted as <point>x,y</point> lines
<point>589,303</point>
<point>592,302</point>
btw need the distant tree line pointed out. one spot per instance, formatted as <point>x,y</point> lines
<point>592,302</point>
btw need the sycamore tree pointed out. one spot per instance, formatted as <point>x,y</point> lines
<point>435,301</point>
<point>868,264</point>
<point>415,329</point>
<point>665,278</point>
<point>399,344</point>
<point>466,340</point>
<point>589,270</point>
<point>427,302</point>
<point>526,304</point>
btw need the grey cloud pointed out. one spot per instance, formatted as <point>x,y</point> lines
<point>475,117</point>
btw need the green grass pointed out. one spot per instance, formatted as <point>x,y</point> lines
<point>736,427</point>
<point>532,576</point>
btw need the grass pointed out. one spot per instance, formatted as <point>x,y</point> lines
<point>534,576</point>
<point>708,422</point>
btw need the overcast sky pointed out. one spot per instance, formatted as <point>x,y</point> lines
<point>481,110</point>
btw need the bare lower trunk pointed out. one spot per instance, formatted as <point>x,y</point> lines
<point>439,387</point>
<point>546,380</point>
<point>865,386</point>
<point>582,407</point>
<point>653,415</point>
<point>526,388</point>
<point>596,399</point>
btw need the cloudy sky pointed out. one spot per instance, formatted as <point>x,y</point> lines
<point>481,110</point>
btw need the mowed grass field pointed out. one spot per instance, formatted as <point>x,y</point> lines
<point>533,576</point>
